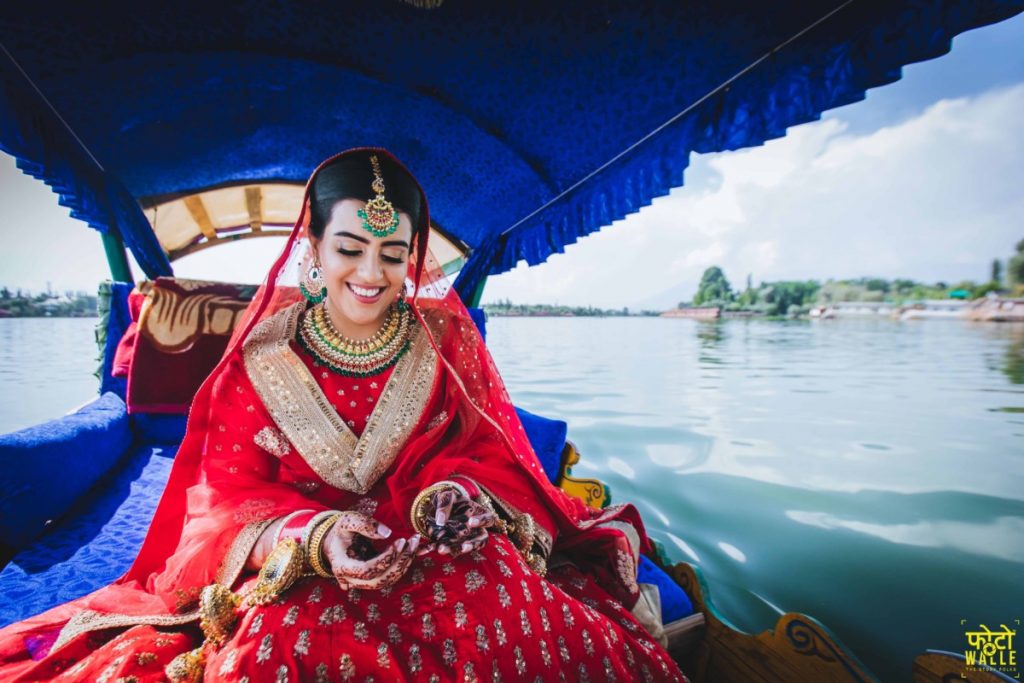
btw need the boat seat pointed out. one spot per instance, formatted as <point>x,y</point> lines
<point>94,543</point>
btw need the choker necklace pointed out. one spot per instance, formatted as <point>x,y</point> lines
<point>352,357</point>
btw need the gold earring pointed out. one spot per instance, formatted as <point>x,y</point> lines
<point>312,284</point>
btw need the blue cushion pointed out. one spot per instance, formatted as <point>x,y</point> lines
<point>675,604</point>
<point>547,437</point>
<point>95,544</point>
<point>158,428</point>
<point>85,445</point>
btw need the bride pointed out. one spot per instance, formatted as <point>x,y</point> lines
<point>355,498</point>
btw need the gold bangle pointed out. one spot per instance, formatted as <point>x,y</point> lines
<point>314,549</point>
<point>280,570</point>
<point>312,524</point>
<point>418,514</point>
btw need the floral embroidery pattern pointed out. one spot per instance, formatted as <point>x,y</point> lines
<point>228,665</point>
<point>429,630</point>
<point>256,625</point>
<point>302,644</point>
<point>273,442</point>
<point>483,643</point>
<point>266,648</point>
<point>474,581</point>
<point>460,615</point>
<point>449,652</point>
<point>253,510</point>
<point>346,667</point>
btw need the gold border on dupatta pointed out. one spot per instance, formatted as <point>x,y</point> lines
<point>300,409</point>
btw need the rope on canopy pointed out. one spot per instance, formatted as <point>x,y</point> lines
<point>471,280</point>
<point>42,149</point>
<point>722,87</point>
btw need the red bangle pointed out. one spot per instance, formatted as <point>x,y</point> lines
<point>471,488</point>
<point>293,526</point>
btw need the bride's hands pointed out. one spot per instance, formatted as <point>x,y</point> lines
<point>456,523</point>
<point>353,560</point>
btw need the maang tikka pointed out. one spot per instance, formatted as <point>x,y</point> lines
<point>379,217</point>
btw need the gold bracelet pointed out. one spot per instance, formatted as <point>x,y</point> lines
<point>418,511</point>
<point>312,524</point>
<point>280,570</point>
<point>314,549</point>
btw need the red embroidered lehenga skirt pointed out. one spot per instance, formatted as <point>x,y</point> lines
<point>480,617</point>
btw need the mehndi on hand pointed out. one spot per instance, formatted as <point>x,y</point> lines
<point>455,523</point>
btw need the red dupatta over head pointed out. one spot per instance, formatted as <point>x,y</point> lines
<point>473,432</point>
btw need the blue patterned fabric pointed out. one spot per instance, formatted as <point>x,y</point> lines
<point>82,446</point>
<point>529,123</point>
<point>94,545</point>
<point>675,604</point>
<point>547,437</point>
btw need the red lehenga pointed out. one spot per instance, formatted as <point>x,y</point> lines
<point>272,432</point>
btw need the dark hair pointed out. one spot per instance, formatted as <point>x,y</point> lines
<point>350,177</point>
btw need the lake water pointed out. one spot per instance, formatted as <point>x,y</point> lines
<point>869,473</point>
<point>46,368</point>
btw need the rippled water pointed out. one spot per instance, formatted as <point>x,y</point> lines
<point>869,473</point>
<point>46,368</point>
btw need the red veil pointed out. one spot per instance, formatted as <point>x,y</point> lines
<point>469,429</point>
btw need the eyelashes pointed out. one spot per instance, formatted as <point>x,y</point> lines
<point>386,259</point>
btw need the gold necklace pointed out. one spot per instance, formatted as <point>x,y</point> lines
<point>352,357</point>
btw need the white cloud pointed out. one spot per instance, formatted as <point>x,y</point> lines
<point>934,197</point>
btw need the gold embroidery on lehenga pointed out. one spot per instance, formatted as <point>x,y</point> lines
<point>545,653</point>
<point>449,652</point>
<point>483,643</point>
<point>346,667</point>
<point>302,644</point>
<point>308,420</point>
<point>265,649</point>
<point>273,442</point>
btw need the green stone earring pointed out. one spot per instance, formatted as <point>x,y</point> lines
<point>312,284</point>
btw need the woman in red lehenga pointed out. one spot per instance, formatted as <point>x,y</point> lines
<point>361,452</point>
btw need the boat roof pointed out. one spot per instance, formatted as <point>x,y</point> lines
<point>530,124</point>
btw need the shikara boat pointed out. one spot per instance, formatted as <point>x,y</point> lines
<point>532,124</point>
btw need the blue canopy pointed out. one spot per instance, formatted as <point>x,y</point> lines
<point>529,123</point>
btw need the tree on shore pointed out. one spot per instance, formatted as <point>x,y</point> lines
<point>997,271</point>
<point>1015,267</point>
<point>713,288</point>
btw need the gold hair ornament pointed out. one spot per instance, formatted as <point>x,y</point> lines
<point>379,217</point>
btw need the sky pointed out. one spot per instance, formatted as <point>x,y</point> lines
<point>920,180</point>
